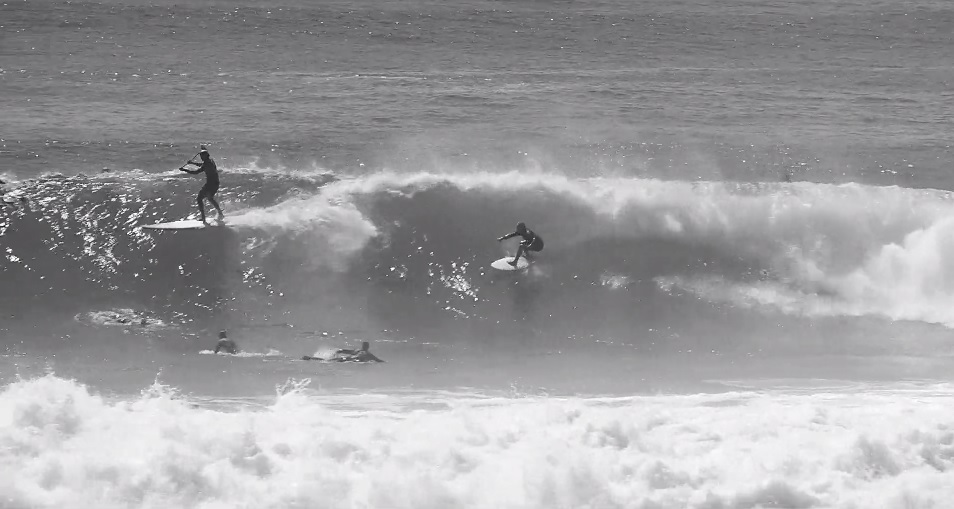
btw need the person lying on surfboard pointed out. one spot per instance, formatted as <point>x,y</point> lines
<point>531,242</point>
<point>347,355</point>
<point>211,181</point>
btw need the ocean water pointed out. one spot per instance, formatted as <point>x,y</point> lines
<point>745,299</point>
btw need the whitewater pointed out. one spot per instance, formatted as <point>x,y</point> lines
<point>734,449</point>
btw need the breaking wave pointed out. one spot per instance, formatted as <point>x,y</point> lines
<point>411,252</point>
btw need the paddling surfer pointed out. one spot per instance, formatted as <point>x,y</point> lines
<point>211,182</point>
<point>348,355</point>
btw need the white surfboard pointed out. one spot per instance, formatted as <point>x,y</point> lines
<point>185,224</point>
<point>502,264</point>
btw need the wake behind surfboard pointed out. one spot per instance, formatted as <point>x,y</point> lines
<point>186,224</point>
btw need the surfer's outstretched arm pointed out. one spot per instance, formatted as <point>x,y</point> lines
<point>520,230</point>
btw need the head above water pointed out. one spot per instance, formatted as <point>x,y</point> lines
<point>521,227</point>
<point>364,346</point>
<point>222,334</point>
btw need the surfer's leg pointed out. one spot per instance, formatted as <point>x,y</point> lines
<point>520,250</point>
<point>211,195</point>
<point>217,208</point>
<point>201,207</point>
<point>534,247</point>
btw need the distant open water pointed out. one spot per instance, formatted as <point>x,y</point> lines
<point>833,91</point>
<point>745,298</point>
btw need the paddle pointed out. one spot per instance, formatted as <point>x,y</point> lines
<point>182,168</point>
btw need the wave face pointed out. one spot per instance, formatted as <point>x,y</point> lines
<point>848,447</point>
<point>653,263</point>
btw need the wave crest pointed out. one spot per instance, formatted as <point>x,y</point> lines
<point>390,250</point>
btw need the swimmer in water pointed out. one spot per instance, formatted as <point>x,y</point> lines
<point>225,344</point>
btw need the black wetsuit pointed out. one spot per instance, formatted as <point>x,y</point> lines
<point>346,356</point>
<point>211,178</point>
<point>531,241</point>
<point>227,346</point>
<point>359,356</point>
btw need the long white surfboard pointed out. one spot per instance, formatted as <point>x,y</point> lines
<point>502,264</point>
<point>185,224</point>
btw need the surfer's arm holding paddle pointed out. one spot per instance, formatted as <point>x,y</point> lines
<point>191,161</point>
<point>193,172</point>
<point>201,167</point>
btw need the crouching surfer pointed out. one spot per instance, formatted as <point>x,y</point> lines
<point>531,242</point>
<point>347,355</point>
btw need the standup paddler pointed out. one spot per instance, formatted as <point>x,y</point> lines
<point>211,182</point>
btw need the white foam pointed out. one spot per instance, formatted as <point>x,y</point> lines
<point>331,230</point>
<point>908,280</point>
<point>121,317</point>
<point>66,447</point>
<point>314,173</point>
